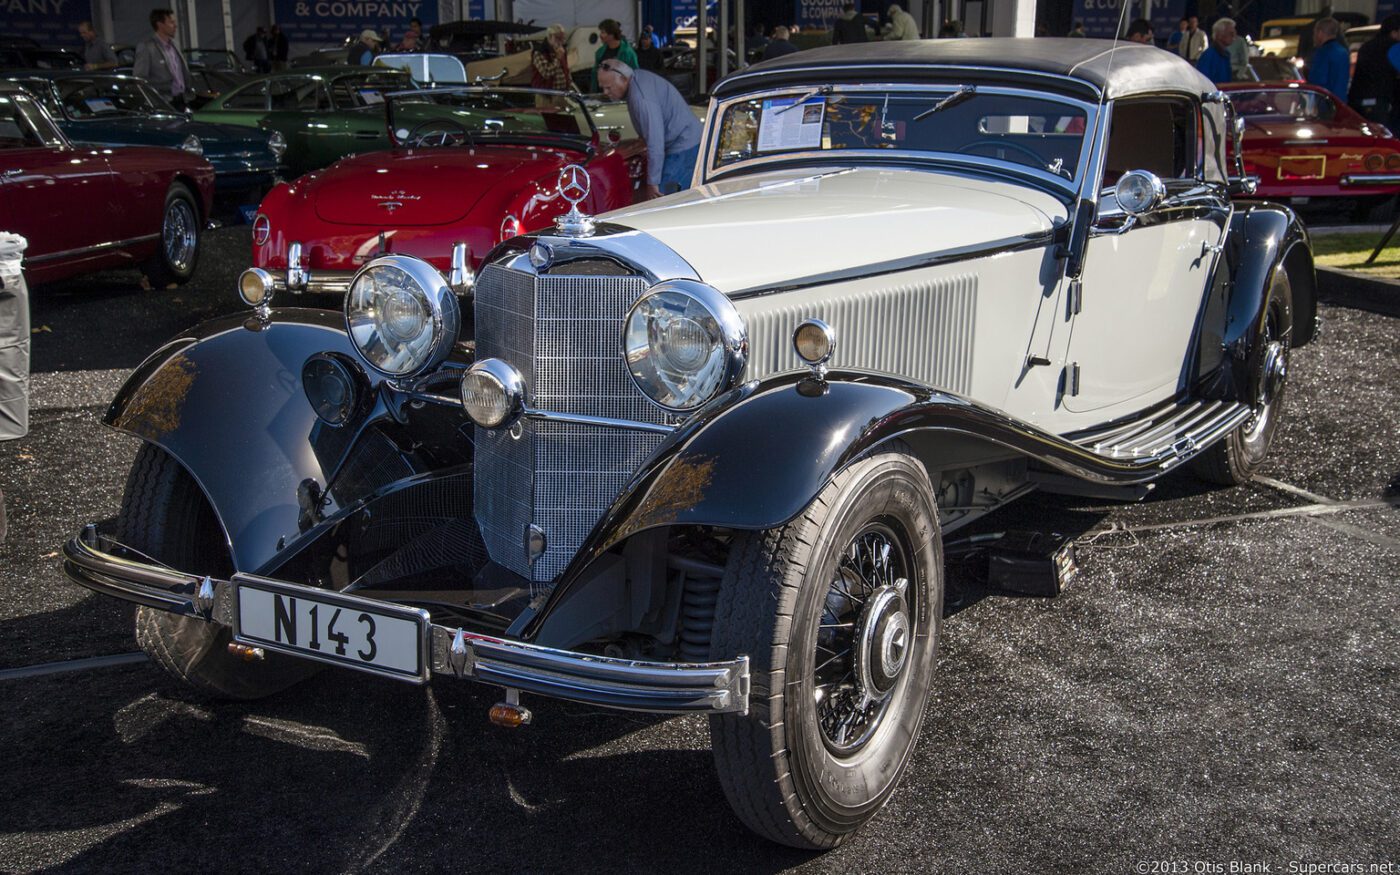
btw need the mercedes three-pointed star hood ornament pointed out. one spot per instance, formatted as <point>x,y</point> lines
<point>574,185</point>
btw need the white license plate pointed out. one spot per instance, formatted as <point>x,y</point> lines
<point>354,632</point>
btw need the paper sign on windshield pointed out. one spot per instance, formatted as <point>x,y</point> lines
<point>786,126</point>
<point>371,97</point>
<point>100,104</point>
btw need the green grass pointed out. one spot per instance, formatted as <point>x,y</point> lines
<point>1350,251</point>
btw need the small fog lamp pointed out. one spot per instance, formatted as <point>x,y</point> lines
<point>255,287</point>
<point>814,341</point>
<point>493,393</point>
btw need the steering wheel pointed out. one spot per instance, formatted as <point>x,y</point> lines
<point>1037,159</point>
<point>438,132</point>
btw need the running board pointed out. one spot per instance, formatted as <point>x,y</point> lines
<point>1165,434</point>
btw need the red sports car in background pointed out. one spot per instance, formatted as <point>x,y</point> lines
<point>470,165</point>
<point>89,208</point>
<point>1302,143</point>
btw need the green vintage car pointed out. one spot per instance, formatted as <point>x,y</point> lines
<point>325,113</point>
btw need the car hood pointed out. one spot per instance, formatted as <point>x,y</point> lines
<point>1303,132</point>
<point>417,187</point>
<point>216,139</point>
<point>777,228</point>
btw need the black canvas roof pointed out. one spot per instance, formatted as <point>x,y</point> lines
<point>1091,65</point>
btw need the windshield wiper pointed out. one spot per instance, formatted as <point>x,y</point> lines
<point>957,97</point>
<point>824,89</point>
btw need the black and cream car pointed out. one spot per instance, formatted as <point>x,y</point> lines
<point>700,455</point>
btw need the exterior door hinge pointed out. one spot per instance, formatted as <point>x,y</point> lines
<point>1072,378</point>
<point>1076,297</point>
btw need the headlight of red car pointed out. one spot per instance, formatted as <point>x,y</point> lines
<point>262,229</point>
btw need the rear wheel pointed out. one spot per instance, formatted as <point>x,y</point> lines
<point>1235,458</point>
<point>839,613</point>
<point>165,515</point>
<point>178,249</point>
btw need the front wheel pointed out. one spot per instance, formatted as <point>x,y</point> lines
<point>839,612</point>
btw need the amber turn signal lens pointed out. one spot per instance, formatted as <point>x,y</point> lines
<point>246,652</point>
<point>509,716</point>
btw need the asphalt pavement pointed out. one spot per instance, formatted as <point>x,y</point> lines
<point>1218,686</point>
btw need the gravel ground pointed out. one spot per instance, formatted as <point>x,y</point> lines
<point>1217,685</point>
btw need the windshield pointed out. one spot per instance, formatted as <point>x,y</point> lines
<point>105,97</point>
<point>456,117</point>
<point>1032,131</point>
<point>369,89</point>
<point>1284,103</point>
<point>24,125</point>
<point>1275,31</point>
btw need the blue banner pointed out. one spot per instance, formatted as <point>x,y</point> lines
<point>52,23</point>
<point>330,21</point>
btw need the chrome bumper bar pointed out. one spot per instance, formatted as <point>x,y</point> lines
<point>297,278</point>
<point>634,685</point>
<point>1355,179</point>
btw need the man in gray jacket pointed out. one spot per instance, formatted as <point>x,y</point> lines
<point>160,62</point>
<point>662,118</point>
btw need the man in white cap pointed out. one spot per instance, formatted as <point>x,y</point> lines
<point>362,51</point>
<point>662,118</point>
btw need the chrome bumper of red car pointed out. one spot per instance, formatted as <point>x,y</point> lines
<point>1354,180</point>
<point>297,278</point>
<point>628,684</point>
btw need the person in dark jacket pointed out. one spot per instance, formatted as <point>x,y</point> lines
<point>779,44</point>
<point>1214,62</point>
<point>1372,91</point>
<point>849,27</point>
<point>648,55</point>
<point>1330,66</point>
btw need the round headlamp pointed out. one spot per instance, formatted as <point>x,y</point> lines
<point>1139,191</point>
<point>401,315</point>
<point>277,144</point>
<point>493,393</point>
<point>192,145</point>
<point>684,343</point>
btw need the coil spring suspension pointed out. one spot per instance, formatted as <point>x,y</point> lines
<point>697,616</point>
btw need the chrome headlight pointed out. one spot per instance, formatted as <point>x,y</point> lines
<point>684,343</point>
<point>277,143</point>
<point>401,315</point>
<point>191,144</point>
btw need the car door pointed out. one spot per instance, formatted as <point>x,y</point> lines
<point>46,182</point>
<point>1144,278</point>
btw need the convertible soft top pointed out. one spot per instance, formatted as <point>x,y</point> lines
<point>1121,69</point>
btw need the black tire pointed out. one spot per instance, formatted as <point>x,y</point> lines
<point>783,766</point>
<point>177,250</point>
<point>1236,457</point>
<point>165,515</point>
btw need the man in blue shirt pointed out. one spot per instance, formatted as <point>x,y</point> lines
<point>1214,62</point>
<point>662,118</point>
<point>1330,66</point>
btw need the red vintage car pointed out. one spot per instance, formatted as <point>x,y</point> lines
<point>1302,143</point>
<point>471,167</point>
<point>89,208</point>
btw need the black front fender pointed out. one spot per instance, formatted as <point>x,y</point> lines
<point>226,400</point>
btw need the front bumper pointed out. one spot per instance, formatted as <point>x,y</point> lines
<point>297,278</point>
<point>634,685</point>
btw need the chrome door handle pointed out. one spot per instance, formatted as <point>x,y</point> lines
<point>1213,250</point>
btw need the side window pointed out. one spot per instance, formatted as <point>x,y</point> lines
<point>300,94</point>
<point>252,97</point>
<point>1157,135</point>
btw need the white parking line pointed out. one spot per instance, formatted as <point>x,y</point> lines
<point>86,664</point>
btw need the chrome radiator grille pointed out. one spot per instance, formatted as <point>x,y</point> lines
<point>563,334</point>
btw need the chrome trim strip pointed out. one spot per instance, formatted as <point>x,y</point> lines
<point>627,684</point>
<point>554,416</point>
<point>651,259</point>
<point>1370,178</point>
<point>90,250</point>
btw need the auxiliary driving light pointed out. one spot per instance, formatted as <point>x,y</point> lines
<point>255,287</point>
<point>814,342</point>
<point>493,393</point>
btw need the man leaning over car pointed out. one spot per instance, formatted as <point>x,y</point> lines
<point>159,61</point>
<point>662,118</point>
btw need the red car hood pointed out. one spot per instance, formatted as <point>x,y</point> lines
<point>422,187</point>
<point>1280,129</point>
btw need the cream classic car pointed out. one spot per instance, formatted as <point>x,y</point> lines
<point>700,454</point>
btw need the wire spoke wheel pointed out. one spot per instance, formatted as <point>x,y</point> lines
<point>179,234</point>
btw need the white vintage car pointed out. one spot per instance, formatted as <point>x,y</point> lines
<point>700,455</point>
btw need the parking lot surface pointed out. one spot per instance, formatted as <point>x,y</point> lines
<point>1218,685</point>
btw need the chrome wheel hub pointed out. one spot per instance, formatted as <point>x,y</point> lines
<point>882,643</point>
<point>179,234</point>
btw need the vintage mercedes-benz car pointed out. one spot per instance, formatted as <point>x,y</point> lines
<point>1303,143</point>
<point>470,167</point>
<point>107,109</point>
<point>83,208</point>
<point>701,454</point>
